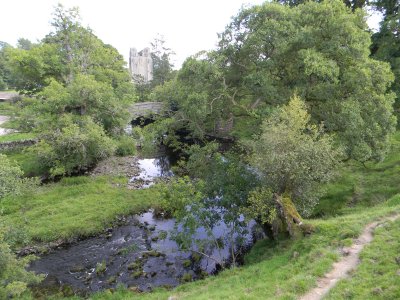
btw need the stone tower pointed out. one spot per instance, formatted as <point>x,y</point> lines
<point>141,65</point>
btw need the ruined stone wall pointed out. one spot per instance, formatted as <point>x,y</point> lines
<point>17,144</point>
<point>141,65</point>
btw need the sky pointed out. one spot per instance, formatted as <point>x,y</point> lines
<point>188,26</point>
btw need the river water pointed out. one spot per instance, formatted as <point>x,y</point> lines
<point>136,254</point>
<point>3,131</point>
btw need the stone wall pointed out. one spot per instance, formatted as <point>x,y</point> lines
<point>17,144</point>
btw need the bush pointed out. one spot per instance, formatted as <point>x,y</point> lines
<point>14,279</point>
<point>126,146</point>
<point>73,146</point>
<point>11,181</point>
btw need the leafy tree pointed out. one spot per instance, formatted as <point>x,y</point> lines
<point>73,146</point>
<point>216,197</point>
<point>162,66</point>
<point>386,42</point>
<point>4,70</point>
<point>353,4</point>
<point>269,52</point>
<point>24,44</point>
<point>321,52</point>
<point>11,178</point>
<point>64,53</point>
<point>293,157</point>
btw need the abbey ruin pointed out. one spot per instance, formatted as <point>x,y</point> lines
<point>141,65</point>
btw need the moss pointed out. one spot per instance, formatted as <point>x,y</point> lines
<point>187,277</point>
<point>112,280</point>
<point>187,263</point>
<point>101,267</point>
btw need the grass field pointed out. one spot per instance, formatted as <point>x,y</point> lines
<point>73,207</point>
<point>26,160</point>
<point>378,275</point>
<point>365,186</point>
<point>18,136</point>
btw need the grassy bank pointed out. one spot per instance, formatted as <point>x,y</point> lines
<point>285,269</point>
<point>363,186</point>
<point>76,206</point>
<point>18,136</point>
<point>378,275</point>
<point>26,160</point>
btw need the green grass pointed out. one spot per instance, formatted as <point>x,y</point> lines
<point>6,108</point>
<point>26,160</point>
<point>378,275</point>
<point>76,206</point>
<point>18,136</point>
<point>362,186</point>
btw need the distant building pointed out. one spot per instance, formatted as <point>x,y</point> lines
<point>141,65</point>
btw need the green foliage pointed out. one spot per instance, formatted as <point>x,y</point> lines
<point>10,177</point>
<point>125,146</point>
<point>294,156</point>
<point>27,160</point>
<point>14,279</point>
<point>362,185</point>
<point>386,45</point>
<point>162,66</point>
<point>218,196</point>
<point>160,132</point>
<point>261,206</point>
<point>270,52</point>
<point>73,146</point>
<point>4,69</point>
<point>11,181</point>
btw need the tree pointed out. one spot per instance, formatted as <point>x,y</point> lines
<point>24,44</point>
<point>63,54</point>
<point>293,158</point>
<point>162,66</point>
<point>11,178</point>
<point>4,70</point>
<point>215,197</point>
<point>321,52</point>
<point>353,4</point>
<point>386,42</point>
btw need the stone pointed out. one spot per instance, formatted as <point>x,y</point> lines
<point>141,65</point>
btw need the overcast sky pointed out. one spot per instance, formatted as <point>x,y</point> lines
<point>188,26</point>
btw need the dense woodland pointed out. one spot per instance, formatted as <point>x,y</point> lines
<point>307,99</point>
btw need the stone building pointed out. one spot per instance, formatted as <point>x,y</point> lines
<point>141,65</point>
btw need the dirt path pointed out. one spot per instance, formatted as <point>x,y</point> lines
<point>349,262</point>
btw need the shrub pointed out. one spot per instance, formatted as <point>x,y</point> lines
<point>126,146</point>
<point>73,146</point>
<point>11,181</point>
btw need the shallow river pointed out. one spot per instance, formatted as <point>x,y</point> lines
<point>136,254</point>
<point>3,119</point>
